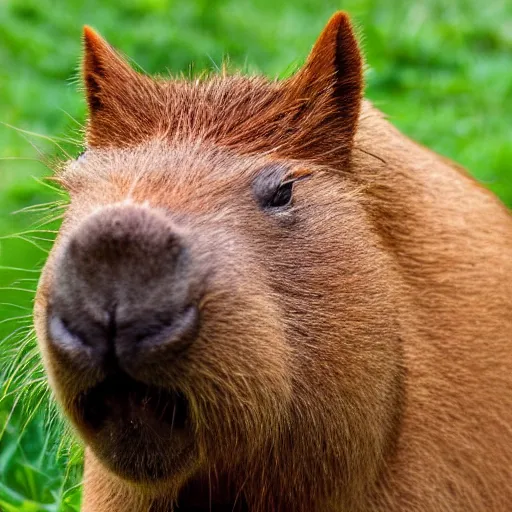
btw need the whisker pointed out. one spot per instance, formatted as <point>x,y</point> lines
<point>29,232</point>
<point>370,154</point>
<point>30,241</point>
<point>48,184</point>
<point>14,318</point>
<point>49,219</point>
<point>53,140</point>
<point>14,333</point>
<point>25,280</point>
<point>16,289</point>
<point>9,304</point>
<point>71,117</point>
<point>17,269</point>
<point>40,207</point>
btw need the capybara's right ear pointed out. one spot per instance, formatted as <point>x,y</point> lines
<point>123,107</point>
<point>104,71</point>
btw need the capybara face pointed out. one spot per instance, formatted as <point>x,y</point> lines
<point>216,300</point>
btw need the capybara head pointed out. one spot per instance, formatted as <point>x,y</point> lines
<point>217,305</point>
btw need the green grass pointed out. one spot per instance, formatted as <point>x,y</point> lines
<point>440,70</point>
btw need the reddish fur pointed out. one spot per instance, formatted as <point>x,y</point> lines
<point>381,370</point>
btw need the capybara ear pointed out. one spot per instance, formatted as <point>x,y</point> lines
<point>104,71</point>
<point>119,99</point>
<point>331,81</point>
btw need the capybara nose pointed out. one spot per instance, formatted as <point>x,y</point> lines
<point>121,295</point>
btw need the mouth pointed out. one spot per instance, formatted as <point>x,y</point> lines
<point>140,431</point>
<point>121,398</point>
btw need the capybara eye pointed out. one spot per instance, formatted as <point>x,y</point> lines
<point>272,188</point>
<point>282,196</point>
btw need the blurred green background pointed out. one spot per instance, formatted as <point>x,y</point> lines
<point>442,71</point>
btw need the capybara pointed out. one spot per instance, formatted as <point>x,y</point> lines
<point>263,297</point>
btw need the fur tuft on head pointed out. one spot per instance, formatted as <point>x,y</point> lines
<point>312,116</point>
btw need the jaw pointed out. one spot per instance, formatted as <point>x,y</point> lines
<point>193,492</point>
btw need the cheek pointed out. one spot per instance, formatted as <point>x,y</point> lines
<point>339,296</point>
<point>334,282</point>
<point>239,371</point>
<point>243,335</point>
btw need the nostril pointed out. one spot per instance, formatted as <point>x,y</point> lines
<point>180,333</point>
<point>66,340</point>
<point>129,345</point>
<point>147,338</point>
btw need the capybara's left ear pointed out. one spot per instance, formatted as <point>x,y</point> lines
<point>120,100</point>
<point>331,81</point>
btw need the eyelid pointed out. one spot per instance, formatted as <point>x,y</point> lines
<point>296,175</point>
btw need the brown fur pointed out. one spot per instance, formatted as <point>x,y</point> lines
<point>355,352</point>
